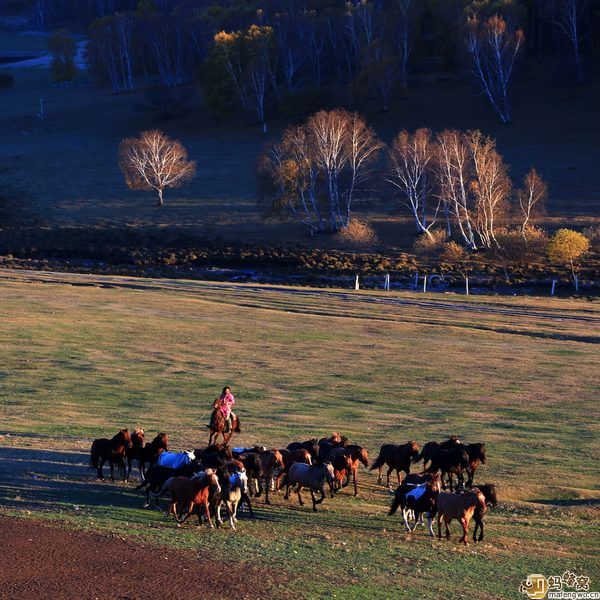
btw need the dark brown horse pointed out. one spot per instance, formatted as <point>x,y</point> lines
<point>218,425</point>
<point>450,462</point>
<point>397,457</point>
<point>150,452</point>
<point>477,456</point>
<point>430,449</point>
<point>113,451</point>
<point>311,445</point>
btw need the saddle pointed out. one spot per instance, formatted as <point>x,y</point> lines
<point>416,492</point>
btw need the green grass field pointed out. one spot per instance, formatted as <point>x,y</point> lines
<point>522,375</point>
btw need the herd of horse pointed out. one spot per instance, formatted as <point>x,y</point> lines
<point>207,480</point>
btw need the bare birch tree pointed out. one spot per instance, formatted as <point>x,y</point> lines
<point>491,186</point>
<point>409,168</point>
<point>494,49</point>
<point>153,161</point>
<point>568,20</point>
<point>453,168</point>
<point>531,198</point>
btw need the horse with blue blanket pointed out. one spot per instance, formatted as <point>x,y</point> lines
<point>419,498</point>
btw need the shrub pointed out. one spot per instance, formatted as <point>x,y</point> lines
<point>518,248</point>
<point>357,233</point>
<point>592,233</point>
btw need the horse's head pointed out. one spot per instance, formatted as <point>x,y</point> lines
<point>278,458</point>
<point>212,481</point>
<point>335,438</point>
<point>161,441</point>
<point>413,451</point>
<point>126,437</point>
<point>363,456</point>
<point>435,484</point>
<point>481,452</point>
<point>489,491</point>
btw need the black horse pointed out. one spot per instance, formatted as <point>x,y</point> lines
<point>397,457</point>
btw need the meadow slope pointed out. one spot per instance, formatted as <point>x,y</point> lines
<point>80,360</point>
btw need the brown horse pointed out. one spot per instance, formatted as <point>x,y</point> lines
<point>218,425</point>
<point>397,457</point>
<point>191,494</point>
<point>491,499</point>
<point>138,441</point>
<point>347,459</point>
<point>113,451</point>
<point>462,507</point>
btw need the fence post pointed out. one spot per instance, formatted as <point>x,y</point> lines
<point>424,283</point>
<point>553,286</point>
<point>386,283</point>
<point>356,283</point>
<point>467,285</point>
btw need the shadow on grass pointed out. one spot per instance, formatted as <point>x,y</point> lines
<point>47,480</point>
<point>567,501</point>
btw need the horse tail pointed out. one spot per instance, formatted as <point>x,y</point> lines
<point>379,462</point>
<point>395,505</point>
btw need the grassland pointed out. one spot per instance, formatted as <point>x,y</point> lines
<point>521,375</point>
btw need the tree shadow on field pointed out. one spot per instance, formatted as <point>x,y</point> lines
<point>49,480</point>
<point>568,501</point>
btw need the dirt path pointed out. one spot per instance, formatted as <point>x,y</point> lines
<point>43,561</point>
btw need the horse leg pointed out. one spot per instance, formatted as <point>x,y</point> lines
<point>298,490</point>
<point>354,481</point>
<point>314,500</point>
<point>112,469</point>
<point>447,520</point>
<point>417,516</point>
<point>465,525</point>
<point>380,478</point>
<point>100,468</point>
<point>230,510</point>
<point>125,474</point>
<point>405,517</point>
<point>480,523</point>
<point>388,477</point>
<point>439,523</point>
<point>246,499</point>
<point>430,524</point>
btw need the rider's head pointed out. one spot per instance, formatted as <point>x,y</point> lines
<point>226,389</point>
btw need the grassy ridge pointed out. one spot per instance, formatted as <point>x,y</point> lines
<point>80,361</point>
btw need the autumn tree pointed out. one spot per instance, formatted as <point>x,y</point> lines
<point>62,48</point>
<point>410,164</point>
<point>493,48</point>
<point>246,59</point>
<point>357,234</point>
<point>531,198</point>
<point>567,247</point>
<point>318,169</point>
<point>154,161</point>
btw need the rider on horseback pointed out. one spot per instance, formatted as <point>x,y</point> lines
<point>225,402</point>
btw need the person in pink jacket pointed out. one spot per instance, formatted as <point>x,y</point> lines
<point>226,401</point>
